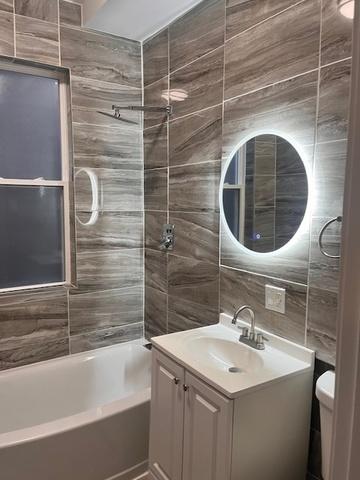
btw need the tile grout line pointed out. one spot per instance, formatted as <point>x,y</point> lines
<point>312,172</point>
<point>168,180</point>
<point>236,97</point>
<point>143,191</point>
<point>14,26</point>
<point>266,20</point>
<point>222,133</point>
<point>58,25</point>
<point>263,275</point>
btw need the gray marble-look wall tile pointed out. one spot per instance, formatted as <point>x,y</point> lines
<point>329,192</point>
<point>265,157</point>
<point>292,191</point>
<point>197,235</point>
<point>154,222</point>
<point>288,159</point>
<point>41,9</point>
<point>89,97</point>
<point>196,138</point>
<point>112,230</point>
<point>32,315</point>
<point>194,188</point>
<point>239,288</point>
<point>330,159</point>
<point>98,146</point>
<point>156,270</point>
<point>6,34</point>
<point>334,101</point>
<point>264,194</point>
<point>70,13</point>
<point>201,82</point>
<point>156,95</point>
<point>155,193</point>
<point>37,351</point>
<point>261,56</point>
<point>156,57</point>
<point>241,15</point>
<point>7,6</point>
<point>264,222</point>
<point>324,272</point>
<point>288,107</point>
<point>155,313</point>
<point>104,309</point>
<point>321,328</point>
<point>37,40</point>
<point>336,35</point>
<point>156,146</point>
<point>193,281</point>
<point>120,190</point>
<point>198,32</point>
<point>185,315</point>
<point>101,57</point>
<point>105,337</point>
<point>110,269</point>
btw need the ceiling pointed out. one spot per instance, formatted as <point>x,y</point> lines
<point>135,19</point>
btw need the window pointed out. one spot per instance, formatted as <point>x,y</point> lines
<point>234,194</point>
<point>34,178</point>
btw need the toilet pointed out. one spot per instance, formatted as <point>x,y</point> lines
<point>325,392</point>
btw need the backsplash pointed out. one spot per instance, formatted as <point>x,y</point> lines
<point>107,306</point>
<point>230,69</point>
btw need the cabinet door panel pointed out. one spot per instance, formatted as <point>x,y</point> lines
<point>167,418</point>
<point>207,432</point>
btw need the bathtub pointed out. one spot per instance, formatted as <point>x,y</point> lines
<point>82,417</point>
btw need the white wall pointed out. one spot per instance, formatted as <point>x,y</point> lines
<point>135,19</point>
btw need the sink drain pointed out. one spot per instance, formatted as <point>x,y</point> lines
<point>235,370</point>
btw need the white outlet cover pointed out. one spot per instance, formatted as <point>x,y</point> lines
<point>275,298</point>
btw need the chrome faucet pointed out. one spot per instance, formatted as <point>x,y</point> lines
<point>250,338</point>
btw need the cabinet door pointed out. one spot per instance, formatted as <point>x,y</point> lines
<point>207,432</point>
<point>167,418</point>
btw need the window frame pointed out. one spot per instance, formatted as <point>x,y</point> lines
<point>240,186</point>
<point>66,182</point>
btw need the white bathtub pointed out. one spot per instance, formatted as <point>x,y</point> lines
<point>83,417</point>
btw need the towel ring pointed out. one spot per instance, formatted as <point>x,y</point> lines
<point>322,231</point>
<point>95,197</point>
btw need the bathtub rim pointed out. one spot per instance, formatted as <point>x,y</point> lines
<point>78,420</point>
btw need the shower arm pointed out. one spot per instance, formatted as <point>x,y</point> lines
<point>137,108</point>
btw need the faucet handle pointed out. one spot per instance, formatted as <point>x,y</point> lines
<point>245,332</point>
<point>260,341</point>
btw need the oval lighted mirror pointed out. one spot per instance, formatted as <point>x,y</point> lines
<point>264,193</point>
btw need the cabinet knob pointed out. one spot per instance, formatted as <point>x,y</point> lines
<point>176,380</point>
<point>186,388</point>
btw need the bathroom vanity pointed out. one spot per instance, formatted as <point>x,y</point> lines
<point>221,410</point>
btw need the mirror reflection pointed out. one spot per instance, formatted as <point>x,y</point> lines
<point>265,193</point>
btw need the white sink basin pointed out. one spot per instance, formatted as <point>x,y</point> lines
<point>224,355</point>
<point>215,354</point>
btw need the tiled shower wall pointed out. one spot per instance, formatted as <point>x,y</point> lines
<point>240,67</point>
<point>107,306</point>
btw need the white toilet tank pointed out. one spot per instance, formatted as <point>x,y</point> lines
<point>325,392</point>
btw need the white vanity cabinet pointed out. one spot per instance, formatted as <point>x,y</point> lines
<point>191,425</point>
<point>198,433</point>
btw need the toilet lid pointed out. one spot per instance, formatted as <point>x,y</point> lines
<point>325,389</point>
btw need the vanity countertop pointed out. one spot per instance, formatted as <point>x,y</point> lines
<point>210,352</point>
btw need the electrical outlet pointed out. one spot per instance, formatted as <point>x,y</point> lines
<point>275,298</point>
